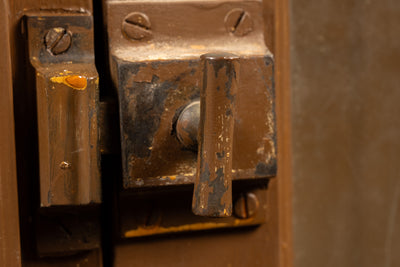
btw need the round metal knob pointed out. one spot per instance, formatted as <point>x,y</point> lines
<point>187,125</point>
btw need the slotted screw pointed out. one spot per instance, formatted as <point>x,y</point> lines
<point>238,22</point>
<point>137,26</point>
<point>58,40</point>
<point>246,206</point>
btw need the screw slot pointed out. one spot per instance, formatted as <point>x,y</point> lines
<point>58,40</point>
<point>238,22</point>
<point>137,26</point>
<point>246,206</point>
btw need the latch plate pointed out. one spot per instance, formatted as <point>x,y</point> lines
<point>156,77</point>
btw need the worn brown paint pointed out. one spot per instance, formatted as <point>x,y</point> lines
<point>67,105</point>
<point>213,184</point>
<point>155,81</point>
<point>262,251</point>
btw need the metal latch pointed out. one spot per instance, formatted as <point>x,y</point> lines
<point>177,63</point>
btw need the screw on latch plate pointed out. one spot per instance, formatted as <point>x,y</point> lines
<point>238,22</point>
<point>58,40</point>
<point>246,206</point>
<point>136,26</point>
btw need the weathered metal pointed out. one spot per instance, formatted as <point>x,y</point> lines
<point>246,206</point>
<point>213,184</point>
<point>238,22</point>
<point>187,125</point>
<point>156,79</point>
<point>57,40</point>
<point>260,242</point>
<point>137,26</point>
<point>67,106</point>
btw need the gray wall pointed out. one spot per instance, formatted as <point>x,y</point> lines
<point>345,79</point>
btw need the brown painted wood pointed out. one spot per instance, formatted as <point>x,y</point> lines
<point>283,111</point>
<point>10,254</point>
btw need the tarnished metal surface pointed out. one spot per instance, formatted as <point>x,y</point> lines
<point>213,184</point>
<point>157,78</point>
<point>67,105</point>
<point>187,125</point>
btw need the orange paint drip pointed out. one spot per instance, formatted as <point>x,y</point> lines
<point>74,81</point>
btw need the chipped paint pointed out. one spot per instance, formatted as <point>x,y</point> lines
<point>76,82</point>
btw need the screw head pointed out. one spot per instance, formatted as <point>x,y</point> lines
<point>246,206</point>
<point>58,40</point>
<point>238,22</point>
<point>137,26</point>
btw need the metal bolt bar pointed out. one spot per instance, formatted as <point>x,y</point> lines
<point>213,185</point>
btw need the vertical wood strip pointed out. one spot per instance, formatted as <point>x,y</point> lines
<point>283,107</point>
<point>9,222</point>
